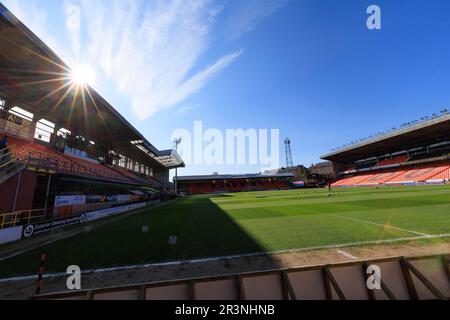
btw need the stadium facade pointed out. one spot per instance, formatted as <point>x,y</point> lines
<point>417,153</point>
<point>65,150</point>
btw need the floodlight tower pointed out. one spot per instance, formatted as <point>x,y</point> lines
<point>176,143</point>
<point>287,144</point>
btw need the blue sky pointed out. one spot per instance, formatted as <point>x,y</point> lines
<point>310,68</point>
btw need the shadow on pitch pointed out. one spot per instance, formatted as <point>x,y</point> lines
<point>202,230</point>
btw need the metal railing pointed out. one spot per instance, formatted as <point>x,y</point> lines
<point>6,151</point>
<point>22,217</point>
<point>7,155</point>
<point>8,162</point>
<point>41,160</point>
<point>64,164</point>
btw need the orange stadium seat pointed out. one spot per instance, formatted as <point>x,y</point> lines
<point>280,185</point>
<point>381,178</point>
<point>444,175</point>
<point>125,172</point>
<point>207,188</point>
<point>268,185</point>
<point>97,169</point>
<point>396,160</point>
<point>22,150</point>
<point>351,181</point>
<point>411,175</point>
<point>417,175</point>
<point>66,163</point>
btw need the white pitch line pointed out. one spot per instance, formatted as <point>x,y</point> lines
<point>348,255</point>
<point>380,225</point>
<point>175,263</point>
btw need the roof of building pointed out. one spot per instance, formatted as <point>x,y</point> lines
<point>322,164</point>
<point>236,176</point>
<point>170,159</point>
<point>421,134</point>
<point>34,77</point>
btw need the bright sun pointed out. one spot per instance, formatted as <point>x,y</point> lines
<point>83,75</point>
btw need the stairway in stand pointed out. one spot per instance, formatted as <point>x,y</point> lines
<point>9,165</point>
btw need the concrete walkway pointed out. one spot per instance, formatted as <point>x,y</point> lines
<point>24,289</point>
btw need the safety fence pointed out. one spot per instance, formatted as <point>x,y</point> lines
<point>23,217</point>
<point>400,278</point>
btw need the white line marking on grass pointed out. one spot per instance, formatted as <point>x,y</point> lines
<point>380,225</point>
<point>176,263</point>
<point>346,254</point>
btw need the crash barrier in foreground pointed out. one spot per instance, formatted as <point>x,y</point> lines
<point>398,278</point>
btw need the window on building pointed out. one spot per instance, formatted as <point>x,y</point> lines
<point>22,113</point>
<point>44,130</point>
<point>63,133</point>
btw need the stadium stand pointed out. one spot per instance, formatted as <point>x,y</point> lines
<point>381,178</point>
<point>350,168</point>
<point>40,155</point>
<point>415,154</point>
<point>409,156</point>
<point>354,180</point>
<point>235,183</point>
<point>126,173</point>
<point>400,176</point>
<point>53,152</point>
<point>366,165</point>
<point>443,175</point>
<point>393,161</point>
<point>281,185</point>
<point>417,175</point>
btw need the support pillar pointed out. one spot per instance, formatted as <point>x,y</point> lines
<point>47,192</point>
<point>17,191</point>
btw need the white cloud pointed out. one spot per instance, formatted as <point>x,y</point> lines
<point>152,52</point>
<point>248,14</point>
<point>185,109</point>
<point>199,80</point>
<point>152,49</point>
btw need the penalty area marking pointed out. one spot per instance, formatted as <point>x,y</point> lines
<point>176,263</point>
<point>380,225</point>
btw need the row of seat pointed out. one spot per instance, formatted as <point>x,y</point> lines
<point>208,187</point>
<point>395,160</point>
<point>142,178</point>
<point>25,150</point>
<point>65,163</point>
<point>125,172</point>
<point>418,175</point>
<point>374,163</point>
<point>96,169</point>
<point>398,176</point>
<point>444,175</point>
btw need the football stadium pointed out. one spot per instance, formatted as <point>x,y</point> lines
<point>79,185</point>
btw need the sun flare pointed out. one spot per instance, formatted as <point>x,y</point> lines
<point>83,75</point>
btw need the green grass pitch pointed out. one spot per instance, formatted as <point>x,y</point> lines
<point>229,224</point>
